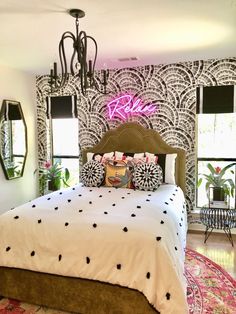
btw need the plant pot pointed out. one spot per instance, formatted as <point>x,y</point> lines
<point>218,194</point>
<point>54,185</point>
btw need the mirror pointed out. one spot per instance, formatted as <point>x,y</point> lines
<point>13,139</point>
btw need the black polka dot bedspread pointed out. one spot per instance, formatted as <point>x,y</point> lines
<point>127,237</point>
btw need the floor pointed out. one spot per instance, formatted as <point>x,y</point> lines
<point>217,248</point>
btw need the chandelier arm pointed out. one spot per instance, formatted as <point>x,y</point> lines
<point>72,61</point>
<point>68,35</point>
<point>96,51</point>
<point>82,56</point>
<point>62,57</point>
<point>92,81</point>
<point>97,78</point>
<point>81,46</point>
<point>63,63</point>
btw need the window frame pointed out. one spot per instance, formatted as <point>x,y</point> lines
<point>76,157</point>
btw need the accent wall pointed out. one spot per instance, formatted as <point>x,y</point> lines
<point>172,87</point>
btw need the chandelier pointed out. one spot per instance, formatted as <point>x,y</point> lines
<point>79,65</point>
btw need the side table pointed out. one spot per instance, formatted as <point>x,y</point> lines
<point>218,218</point>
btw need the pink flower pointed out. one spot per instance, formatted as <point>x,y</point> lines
<point>217,170</point>
<point>47,164</point>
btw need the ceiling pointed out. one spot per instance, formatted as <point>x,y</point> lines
<point>153,31</point>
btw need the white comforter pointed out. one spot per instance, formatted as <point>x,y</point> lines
<point>121,236</point>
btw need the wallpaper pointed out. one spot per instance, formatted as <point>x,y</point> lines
<point>171,86</point>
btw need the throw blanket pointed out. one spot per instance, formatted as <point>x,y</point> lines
<point>127,237</point>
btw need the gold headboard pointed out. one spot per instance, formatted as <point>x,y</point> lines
<point>133,138</point>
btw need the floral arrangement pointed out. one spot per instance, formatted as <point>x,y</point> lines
<point>216,179</point>
<point>54,175</point>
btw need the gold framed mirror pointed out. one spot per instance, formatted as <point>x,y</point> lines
<point>13,139</point>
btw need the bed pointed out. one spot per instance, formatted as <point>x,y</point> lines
<point>149,281</point>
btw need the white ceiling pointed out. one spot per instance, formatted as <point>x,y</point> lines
<point>154,31</point>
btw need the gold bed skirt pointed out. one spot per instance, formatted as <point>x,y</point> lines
<point>71,294</point>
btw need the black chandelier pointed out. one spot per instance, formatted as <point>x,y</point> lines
<point>79,66</point>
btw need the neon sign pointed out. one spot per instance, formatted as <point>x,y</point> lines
<point>126,105</point>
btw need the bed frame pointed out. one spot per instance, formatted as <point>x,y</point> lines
<point>133,138</point>
<point>82,295</point>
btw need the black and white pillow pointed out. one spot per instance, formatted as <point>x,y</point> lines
<point>147,176</point>
<point>92,173</point>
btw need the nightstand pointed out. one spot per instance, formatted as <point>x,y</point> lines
<point>218,218</point>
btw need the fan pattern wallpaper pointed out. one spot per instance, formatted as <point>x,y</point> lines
<point>172,87</point>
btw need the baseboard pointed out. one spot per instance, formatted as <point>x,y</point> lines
<point>200,228</point>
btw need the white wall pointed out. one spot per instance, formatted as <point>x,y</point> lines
<point>20,86</point>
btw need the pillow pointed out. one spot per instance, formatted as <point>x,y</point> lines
<point>147,176</point>
<point>92,173</point>
<point>119,173</point>
<point>151,158</point>
<point>100,157</point>
<point>134,157</point>
<point>167,163</point>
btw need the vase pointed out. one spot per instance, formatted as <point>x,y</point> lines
<point>54,185</point>
<point>218,194</point>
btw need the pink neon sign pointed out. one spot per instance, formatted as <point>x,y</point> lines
<point>126,105</point>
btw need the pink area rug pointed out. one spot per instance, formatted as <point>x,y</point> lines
<point>211,290</point>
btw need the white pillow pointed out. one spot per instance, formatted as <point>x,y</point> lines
<point>167,162</point>
<point>170,168</point>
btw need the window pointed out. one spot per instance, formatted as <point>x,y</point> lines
<point>65,146</point>
<point>216,144</point>
<point>63,123</point>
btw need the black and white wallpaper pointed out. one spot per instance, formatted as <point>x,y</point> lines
<point>171,86</point>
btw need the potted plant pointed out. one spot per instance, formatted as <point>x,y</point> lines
<point>52,175</point>
<point>215,179</point>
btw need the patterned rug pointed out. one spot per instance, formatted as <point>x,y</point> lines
<point>211,290</point>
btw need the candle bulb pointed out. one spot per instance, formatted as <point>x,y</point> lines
<point>51,78</point>
<point>90,68</point>
<point>104,77</point>
<point>55,69</point>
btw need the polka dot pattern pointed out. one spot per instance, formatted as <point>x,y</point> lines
<point>168,296</point>
<point>95,208</point>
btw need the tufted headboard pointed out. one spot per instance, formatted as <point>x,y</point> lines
<point>133,138</point>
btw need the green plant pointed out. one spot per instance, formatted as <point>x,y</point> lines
<point>53,173</point>
<point>12,171</point>
<point>216,179</point>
